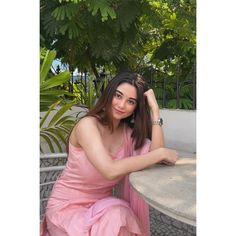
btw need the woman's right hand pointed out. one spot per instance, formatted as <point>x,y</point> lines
<point>169,156</point>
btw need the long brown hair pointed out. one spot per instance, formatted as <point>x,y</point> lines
<point>142,122</point>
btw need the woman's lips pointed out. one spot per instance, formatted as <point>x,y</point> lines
<point>118,111</point>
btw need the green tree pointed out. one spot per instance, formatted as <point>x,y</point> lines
<point>92,33</point>
<point>155,38</point>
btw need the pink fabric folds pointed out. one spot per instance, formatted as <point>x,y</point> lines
<point>81,202</point>
<point>106,208</point>
<point>137,203</point>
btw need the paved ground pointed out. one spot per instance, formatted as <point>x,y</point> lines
<point>163,225</point>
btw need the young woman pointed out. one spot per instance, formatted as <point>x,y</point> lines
<point>121,134</point>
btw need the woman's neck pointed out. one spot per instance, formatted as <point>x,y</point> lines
<point>116,124</point>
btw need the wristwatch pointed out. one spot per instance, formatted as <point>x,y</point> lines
<point>158,122</point>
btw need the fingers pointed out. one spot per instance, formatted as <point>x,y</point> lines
<point>171,157</point>
<point>149,92</point>
<point>152,102</point>
<point>167,163</point>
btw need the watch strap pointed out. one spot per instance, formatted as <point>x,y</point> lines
<point>158,122</point>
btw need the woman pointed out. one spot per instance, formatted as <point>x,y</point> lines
<point>104,147</point>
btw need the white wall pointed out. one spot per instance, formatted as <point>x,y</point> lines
<point>179,129</point>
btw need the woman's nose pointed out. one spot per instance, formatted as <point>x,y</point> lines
<point>121,103</point>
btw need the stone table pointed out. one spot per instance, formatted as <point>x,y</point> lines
<point>170,189</point>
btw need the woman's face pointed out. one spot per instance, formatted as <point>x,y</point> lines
<point>124,101</point>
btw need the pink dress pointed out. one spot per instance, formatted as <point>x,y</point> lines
<point>81,202</point>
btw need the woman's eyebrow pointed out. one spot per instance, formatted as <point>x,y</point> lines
<point>119,91</point>
<point>123,94</point>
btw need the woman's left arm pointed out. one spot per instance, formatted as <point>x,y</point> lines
<point>157,132</point>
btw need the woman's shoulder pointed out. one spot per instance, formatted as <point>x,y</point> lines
<point>85,124</point>
<point>84,127</point>
<point>87,121</point>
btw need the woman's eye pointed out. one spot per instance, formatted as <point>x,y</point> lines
<point>117,95</point>
<point>131,102</point>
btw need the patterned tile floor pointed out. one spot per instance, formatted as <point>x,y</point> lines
<point>163,225</point>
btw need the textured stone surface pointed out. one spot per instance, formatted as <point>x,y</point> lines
<point>163,225</point>
<point>169,189</point>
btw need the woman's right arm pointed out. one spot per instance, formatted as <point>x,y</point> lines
<point>89,138</point>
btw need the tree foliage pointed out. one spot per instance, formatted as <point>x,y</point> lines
<point>155,38</point>
<point>115,31</point>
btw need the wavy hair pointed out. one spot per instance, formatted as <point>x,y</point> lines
<point>141,127</point>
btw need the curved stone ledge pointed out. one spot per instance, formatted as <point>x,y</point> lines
<point>170,189</point>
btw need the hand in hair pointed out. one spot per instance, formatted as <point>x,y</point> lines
<point>152,102</point>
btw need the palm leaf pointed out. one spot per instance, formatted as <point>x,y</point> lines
<point>68,122</point>
<point>48,112</point>
<point>48,141</point>
<point>60,121</point>
<point>47,62</point>
<point>59,133</point>
<point>65,129</point>
<point>55,92</point>
<point>55,80</point>
<point>51,136</point>
<point>60,112</point>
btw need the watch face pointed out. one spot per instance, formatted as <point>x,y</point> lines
<point>158,122</point>
<point>161,122</point>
